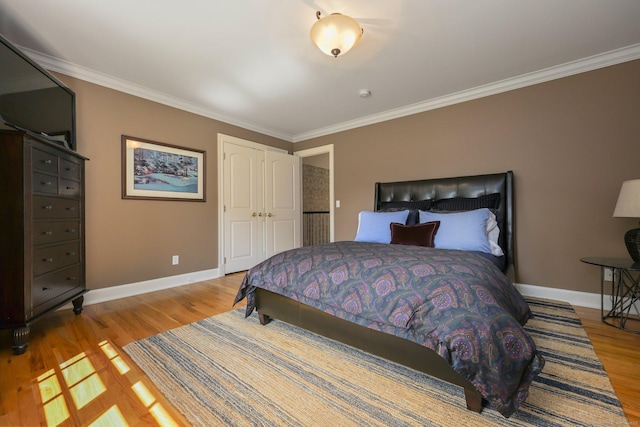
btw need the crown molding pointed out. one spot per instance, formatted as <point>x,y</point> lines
<point>92,76</point>
<point>606,59</point>
<point>594,62</point>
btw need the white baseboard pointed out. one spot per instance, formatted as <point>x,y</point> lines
<point>96,296</point>
<point>582,299</point>
<point>577,298</point>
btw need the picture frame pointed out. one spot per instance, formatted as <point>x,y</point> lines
<point>154,170</point>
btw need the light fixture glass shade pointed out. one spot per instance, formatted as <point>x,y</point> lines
<point>628,205</point>
<point>336,34</point>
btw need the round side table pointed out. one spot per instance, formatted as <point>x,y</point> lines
<point>625,292</point>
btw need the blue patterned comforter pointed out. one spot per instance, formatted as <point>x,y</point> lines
<point>453,302</point>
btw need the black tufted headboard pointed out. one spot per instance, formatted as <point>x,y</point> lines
<point>464,186</point>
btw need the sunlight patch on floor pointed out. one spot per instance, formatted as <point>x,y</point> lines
<point>111,417</point>
<point>155,409</point>
<point>81,383</point>
<point>54,403</point>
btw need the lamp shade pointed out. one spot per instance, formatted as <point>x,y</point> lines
<point>628,205</point>
<point>335,34</point>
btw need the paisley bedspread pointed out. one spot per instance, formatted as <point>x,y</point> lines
<point>453,302</point>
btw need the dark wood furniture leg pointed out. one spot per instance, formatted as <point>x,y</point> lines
<point>77,304</point>
<point>21,334</point>
<point>474,400</point>
<point>264,319</point>
<point>20,339</point>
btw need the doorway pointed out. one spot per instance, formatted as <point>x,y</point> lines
<point>318,198</point>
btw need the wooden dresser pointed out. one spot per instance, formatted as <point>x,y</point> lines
<point>42,244</point>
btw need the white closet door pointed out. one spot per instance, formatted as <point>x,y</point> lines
<point>282,202</point>
<point>243,207</point>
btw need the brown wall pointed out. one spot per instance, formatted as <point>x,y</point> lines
<point>570,142</point>
<point>133,240</point>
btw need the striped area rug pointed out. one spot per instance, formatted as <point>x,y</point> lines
<point>227,370</point>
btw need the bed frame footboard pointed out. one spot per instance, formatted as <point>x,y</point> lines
<point>271,305</point>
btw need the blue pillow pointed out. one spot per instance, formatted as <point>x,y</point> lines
<point>376,226</point>
<point>466,231</point>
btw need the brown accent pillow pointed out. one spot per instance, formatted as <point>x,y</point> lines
<point>415,235</point>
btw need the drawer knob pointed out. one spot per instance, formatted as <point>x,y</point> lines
<point>47,162</point>
<point>46,289</point>
<point>70,188</point>
<point>71,230</point>
<point>70,169</point>
<point>71,253</point>
<point>71,279</point>
<point>47,259</point>
<point>47,207</point>
<point>47,233</point>
<point>71,209</point>
<point>48,183</point>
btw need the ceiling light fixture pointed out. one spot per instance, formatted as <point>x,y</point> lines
<point>335,34</point>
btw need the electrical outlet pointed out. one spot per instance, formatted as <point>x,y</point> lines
<point>608,275</point>
<point>175,260</point>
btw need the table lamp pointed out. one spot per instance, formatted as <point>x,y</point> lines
<point>628,206</point>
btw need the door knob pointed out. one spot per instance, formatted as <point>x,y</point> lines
<point>269,215</point>
<point>260,214</point>
<point>254,214</point>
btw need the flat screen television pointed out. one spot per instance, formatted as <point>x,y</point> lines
<point>33,100</point>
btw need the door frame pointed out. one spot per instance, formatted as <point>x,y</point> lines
<point>325,149</point>
<point>222,140</point>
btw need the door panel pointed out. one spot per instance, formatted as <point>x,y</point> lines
<point>284,235</point>
<point>242,237</point>
<point>243,202</point>
<point>282,202</point>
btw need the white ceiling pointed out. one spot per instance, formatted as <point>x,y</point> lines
<point>251,62</point>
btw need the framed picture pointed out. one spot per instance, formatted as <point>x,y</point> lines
<point>157,171</point>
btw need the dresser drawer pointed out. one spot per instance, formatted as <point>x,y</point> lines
<point>47,287</point>
<point>69,170</point>
<point>69,188</point>
<point>52,207</point>
<point>45,162</point>
<point>55,257</point>
<point>45,183</point>
<point>52,232</point>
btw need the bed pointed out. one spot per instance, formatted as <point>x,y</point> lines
<point>454,314</point>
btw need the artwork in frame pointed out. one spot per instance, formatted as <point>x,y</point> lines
<point>158,171</point>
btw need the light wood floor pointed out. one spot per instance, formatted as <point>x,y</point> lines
<point>74,372</point>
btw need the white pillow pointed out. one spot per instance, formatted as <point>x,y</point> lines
<point>493,233</point>
<point>376,226</point>
<point>466,231</point>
